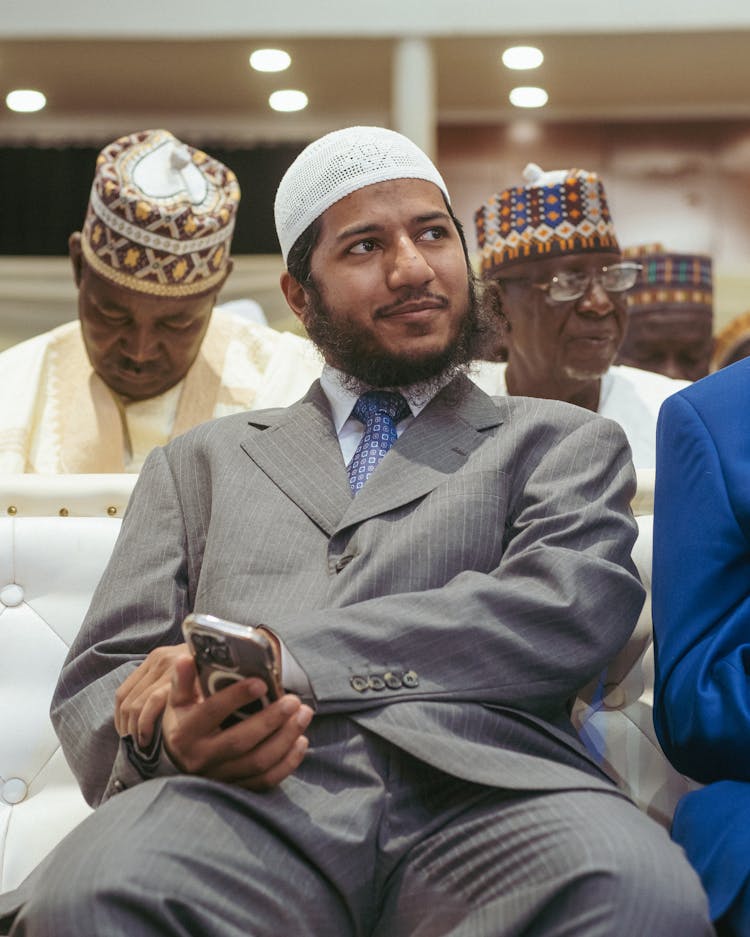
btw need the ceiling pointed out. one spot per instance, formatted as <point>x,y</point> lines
<point>101,85</point>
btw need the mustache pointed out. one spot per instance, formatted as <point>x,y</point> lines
<point>411,299</point>
<point>137,368</point>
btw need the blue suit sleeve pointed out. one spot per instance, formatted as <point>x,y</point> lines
<point>701,602</point>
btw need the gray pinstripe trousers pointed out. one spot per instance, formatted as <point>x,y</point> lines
<point>364,840</point>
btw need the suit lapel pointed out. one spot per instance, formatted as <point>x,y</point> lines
<point>435,446</point>
<point>299,451</point>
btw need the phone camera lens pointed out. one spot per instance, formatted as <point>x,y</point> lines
<point>221,654</point>
<point>211,649</point>
<point>201,644</point>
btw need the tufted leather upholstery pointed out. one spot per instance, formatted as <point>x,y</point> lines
<point>56,534</point>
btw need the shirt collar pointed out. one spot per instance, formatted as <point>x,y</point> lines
<point>342,397</point>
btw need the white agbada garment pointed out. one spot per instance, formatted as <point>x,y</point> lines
<point>58,417</point>
<point>629,396</point>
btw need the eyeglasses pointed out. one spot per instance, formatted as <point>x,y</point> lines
<point>566,286</point>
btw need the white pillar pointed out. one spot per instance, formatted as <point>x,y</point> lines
<point>413,96</point>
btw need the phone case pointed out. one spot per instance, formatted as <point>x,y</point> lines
<point>225,652</point>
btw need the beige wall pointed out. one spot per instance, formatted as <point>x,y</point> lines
<point>37,294</point>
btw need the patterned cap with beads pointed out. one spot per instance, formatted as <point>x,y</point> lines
<point>553,214</point>
<point>669,279</point>
<point>161,216</point>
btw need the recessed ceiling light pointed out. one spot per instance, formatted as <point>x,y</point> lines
<point>528,97</point>
<point>288,100</point>
<point>25,101</point>
<point>522,57</point>
<point>270,60</point>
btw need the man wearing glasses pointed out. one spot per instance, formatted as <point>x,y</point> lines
<point>550,248</point>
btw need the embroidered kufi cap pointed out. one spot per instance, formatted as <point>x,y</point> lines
<point>670,279</point>
<point>161,215</point>
<point>338,164</point>
<point>553,214</point>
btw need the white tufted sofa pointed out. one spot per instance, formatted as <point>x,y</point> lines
<point>56,534</point>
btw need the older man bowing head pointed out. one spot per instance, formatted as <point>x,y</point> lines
<point>147,358</point>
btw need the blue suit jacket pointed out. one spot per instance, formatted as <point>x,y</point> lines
<point>701,577</point>
<point>701,612</point>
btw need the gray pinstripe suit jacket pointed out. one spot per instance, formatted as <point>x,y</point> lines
<point>489,554</point>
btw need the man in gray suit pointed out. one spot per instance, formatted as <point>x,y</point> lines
<point>438,572</point>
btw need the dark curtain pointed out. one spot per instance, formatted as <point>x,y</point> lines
<point>44,193</point>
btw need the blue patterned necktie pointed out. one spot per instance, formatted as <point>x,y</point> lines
<point>380,411</point>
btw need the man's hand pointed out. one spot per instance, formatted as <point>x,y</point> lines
<point>141,698</point>
<point>256,753</point>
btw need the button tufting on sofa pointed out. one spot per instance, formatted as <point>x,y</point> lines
<point>49,566</point>
<point>14,790</point>
<point>11,595</point>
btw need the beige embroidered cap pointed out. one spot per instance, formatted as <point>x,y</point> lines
<point>160,216</point>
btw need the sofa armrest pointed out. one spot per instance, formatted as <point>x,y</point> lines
<point>614,713</point>
<point>56,536</point>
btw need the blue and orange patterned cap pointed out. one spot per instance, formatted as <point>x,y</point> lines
<point>670,279</point>
<point>554,214</point>
<point>160,216</point>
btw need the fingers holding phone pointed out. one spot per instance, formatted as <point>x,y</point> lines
<point>256,752</point>
<point>142,696</point>
<point>246,731</point>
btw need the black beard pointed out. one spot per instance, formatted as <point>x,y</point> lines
<point>343,346</point>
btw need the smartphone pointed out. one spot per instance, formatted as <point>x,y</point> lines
<point>225,652</point>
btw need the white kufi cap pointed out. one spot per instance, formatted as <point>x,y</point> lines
<point>337,165</point>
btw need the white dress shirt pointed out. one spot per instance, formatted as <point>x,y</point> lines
<point>342,397</point>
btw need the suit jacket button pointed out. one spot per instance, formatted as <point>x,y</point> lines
<point>411,679</point>
<point>360,684</point>
<point>392,680</point>
<point>376,682</point>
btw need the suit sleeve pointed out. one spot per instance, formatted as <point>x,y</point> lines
<point>701,604</point>
<point>528,633</point>
<point>128,617</point>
